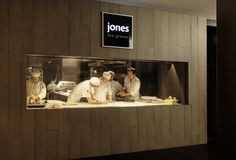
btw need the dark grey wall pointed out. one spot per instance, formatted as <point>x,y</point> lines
<point>226,33</point>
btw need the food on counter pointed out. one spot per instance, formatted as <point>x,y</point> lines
<point>171,100</point>
<point>150,99</point>
<point>54,104</point>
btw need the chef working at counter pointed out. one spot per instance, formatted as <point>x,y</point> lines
<point>103,93</point>
<point>131,85</point>
<point>115,85</point>
<point>84,89</point>
<point>35,88</point>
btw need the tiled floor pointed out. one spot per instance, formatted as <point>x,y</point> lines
<point>199,152</point>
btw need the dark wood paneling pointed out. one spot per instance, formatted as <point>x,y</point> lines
<point>177,132</point>
<point>4,84</point>
<point>145,33</point>
<point>16,32</point>
<point>188,125</point>
<point>95,131</point>
<point>95,29</point>
<point>146,132</point>
<point>28,134</point>
<point>85,132</point>
<point>80,39</point>
<point>4,147</point>
<point>15,148</point>
<point>51,27</point>
<point>4,27</point>
<point>40,135</point>
<point>74,133</point>
<point>64,134</point>
<point>40,37</point>
<point>106,132</point>
<point>115,130</point>
<point>28,19</point>
<point>194,86</point>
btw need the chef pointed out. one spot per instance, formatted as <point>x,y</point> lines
<point>84,89</point>
<point>131,85</point>
<point>103,93</point>
<point>115,85</point>
<point>35,88</point>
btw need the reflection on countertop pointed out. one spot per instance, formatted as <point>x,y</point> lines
<point>56,104</point>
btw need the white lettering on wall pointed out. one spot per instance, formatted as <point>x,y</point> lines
<point>119,28</point>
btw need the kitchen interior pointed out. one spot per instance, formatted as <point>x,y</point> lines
<point>162,82</point>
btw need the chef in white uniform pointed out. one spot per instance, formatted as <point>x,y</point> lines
<point>115,85</point>
<point>35,88</point>
<point>103,93</point>
<point>131,85</point>
<point>84,89</point>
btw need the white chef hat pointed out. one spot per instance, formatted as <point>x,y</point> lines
<point>112,73</point>
<point>106,75</point>
<point>131,69</point>
<point>36,73</point>
<point>94,81</point>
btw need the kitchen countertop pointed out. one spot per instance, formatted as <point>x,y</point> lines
<point>62,105</point>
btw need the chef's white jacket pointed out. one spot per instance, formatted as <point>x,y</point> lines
<point>132,86</point>
<point>103,91</point>
<point>83,89</point>
<point>35,89</point>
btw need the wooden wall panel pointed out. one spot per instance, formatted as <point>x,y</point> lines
<point>145,35</point>
<point>180,37</point>
<point>4,110</point>
<point>15,148</point>
<point>115,130</point>
<point>202,79</point>
<point>173,36</point>
<point>52,134</point>
<point>106,131</point>
<point>188,124</point>
<point>124,130</point>
<point>15,109</point>
<point>51,27</point>
<point>80,28</point>
<point>177,132</point>
<point>40,135</point>
<point>4,27</point>
<point>4,147</point>
<point>194,86</point>
<point>165,36</point>
<point>146,132</point>
<point>85,132</point>
<point>16,32</point>
<point>133,129</point>
<point>28,19</point>
<point>74,133</point>
<point>28,135</point>
<point>162,120</point>
<point>64,134</point>
<point>95,29</point>
<point>95,132</point>
<point>187,38</point>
